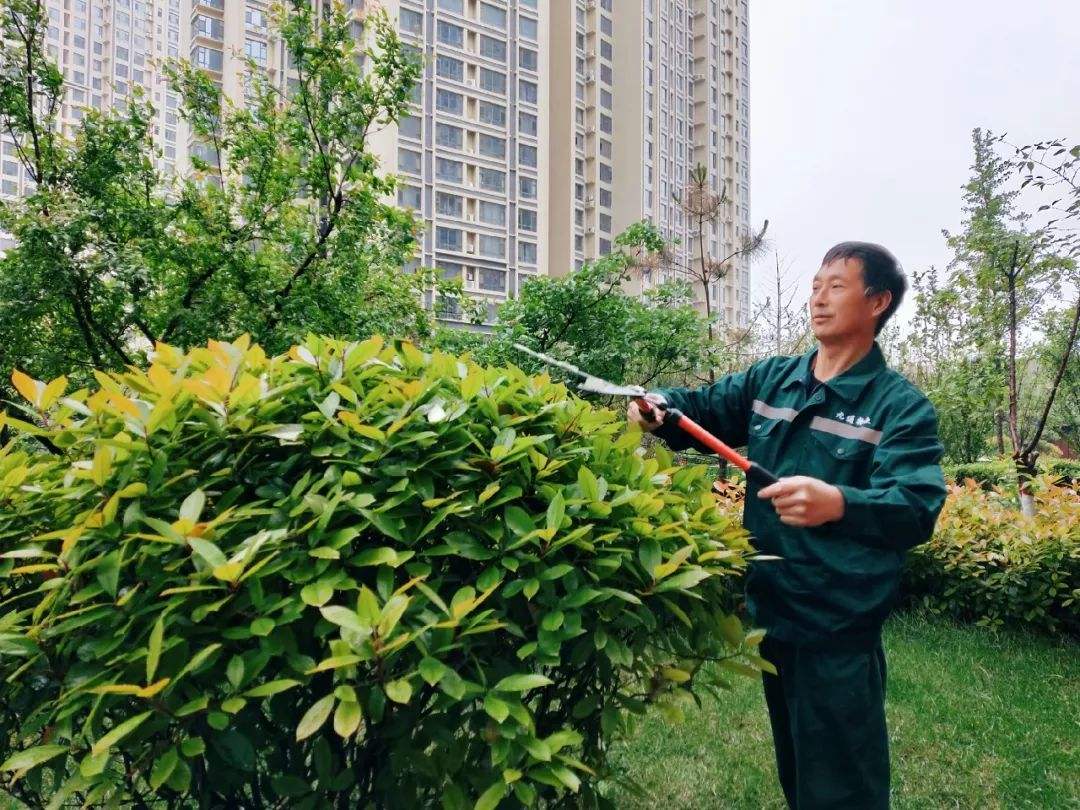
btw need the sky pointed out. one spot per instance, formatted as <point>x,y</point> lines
<point>861,114</point>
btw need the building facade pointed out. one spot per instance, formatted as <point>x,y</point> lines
<point>679,72</point>
<point>515,155</point>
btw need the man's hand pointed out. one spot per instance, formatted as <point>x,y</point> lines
<point>804,501</point>
<point>633,415</point>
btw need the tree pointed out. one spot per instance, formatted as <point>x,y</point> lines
<point>282,228</point>
<point>787,323</point>
<point>704,207</point>
<point>962,385</point>
<point>588,319</point>
<point>1004,276</point>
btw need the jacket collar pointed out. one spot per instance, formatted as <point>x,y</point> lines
<point>848,385</point>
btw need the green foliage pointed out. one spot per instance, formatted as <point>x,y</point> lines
<point>987,563</point>
<point>1001,473</point>
<point>987,474</point>
<point>591,318</point>
<point>1066,470</point>
<point>282,228</point>
<point>354,574</point>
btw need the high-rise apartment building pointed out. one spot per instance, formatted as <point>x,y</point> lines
<point>109,50</point>
<point>650,95</point>
<point>473,152</point>
<point>539,130</point>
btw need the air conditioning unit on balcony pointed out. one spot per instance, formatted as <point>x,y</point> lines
<point>590,131</point>
<point>470,249</point>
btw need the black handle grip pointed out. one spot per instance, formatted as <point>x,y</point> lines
<point>760,476</point>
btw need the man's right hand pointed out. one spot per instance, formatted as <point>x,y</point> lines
<point>633,415</point>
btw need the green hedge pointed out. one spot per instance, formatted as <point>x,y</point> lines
<point>355,575</point>
<point>989,564</point>
<point>1002,472</point>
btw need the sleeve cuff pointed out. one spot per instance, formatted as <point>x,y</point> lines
<point>855,509</point>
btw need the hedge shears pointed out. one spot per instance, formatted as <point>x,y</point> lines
<point>648,404</point>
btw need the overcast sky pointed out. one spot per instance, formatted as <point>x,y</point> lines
<point>862,111</point>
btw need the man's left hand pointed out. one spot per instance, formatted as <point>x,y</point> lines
<point>804,501</point>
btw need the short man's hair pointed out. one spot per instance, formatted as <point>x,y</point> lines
<point>880,271</point>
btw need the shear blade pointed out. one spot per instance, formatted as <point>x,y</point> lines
<point>595,385</point>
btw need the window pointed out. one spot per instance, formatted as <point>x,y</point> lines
<point>605,25</point>
<point>526,155</point>
<point>605,222</point>
<point>527,3</point>
<point>605,50</point>
<point>492,180</point>
<point>451,34</point>
<point>605,148</point>
<point>605,123</point>
<point>451,136</point>
<point>527,28</point>
<point>527,252</point>
<point>203,26</point>
<point>449,205</point>
<point>447,101</point>
<point>492,80</point>
<point>449,170</point>
<point>408,197</point>
<point>492,48</point>
<point>408,161</point>
<point>447,238</point>
<point>494,280</point>
<point>605,198</point>
<point>526,123</point>
<point>450,68</point>
<point>494,246</point>
<point>492,15</point>
<point>491,146</point>
<point>605,173</point>
<point>456,6</point>
<point>527,220</point>
<point>255,50</point>
<point>605,247</point>
<point>605,5</point>
<point>450,270</point>
<point>605,99</point>
<point>492,213</point>
<point>527,187</point>
<point>527,91</point>
<point>209,58</point>
<point>492,114</point>
<point>528,59</point>
<point>605,74</point>
<point>255,18</point>
<point>409,126</point>
<point>411,22</point>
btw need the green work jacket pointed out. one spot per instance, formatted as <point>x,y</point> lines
<point>870,432</point>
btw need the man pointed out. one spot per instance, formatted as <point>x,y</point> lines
<point>856,448</point>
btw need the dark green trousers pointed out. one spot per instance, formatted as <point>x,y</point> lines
<point>827,710</point>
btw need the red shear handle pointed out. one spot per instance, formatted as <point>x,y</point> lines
<point>753,470</point>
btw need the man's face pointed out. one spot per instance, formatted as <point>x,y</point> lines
<point>839,306</point>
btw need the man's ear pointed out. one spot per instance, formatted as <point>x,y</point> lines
<point>882,302</point>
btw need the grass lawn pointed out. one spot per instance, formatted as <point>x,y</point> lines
<point>975,721</point>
